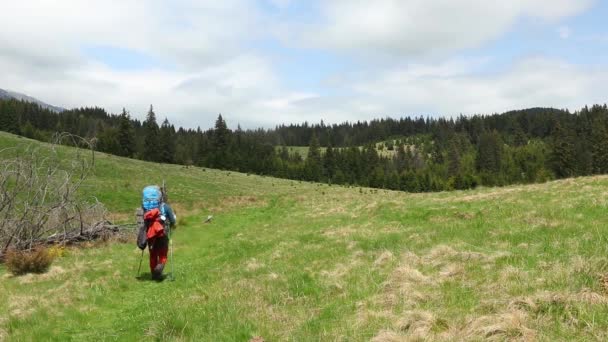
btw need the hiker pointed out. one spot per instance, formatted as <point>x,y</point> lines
<point>158,218</point>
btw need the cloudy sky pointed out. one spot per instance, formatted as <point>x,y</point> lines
<point>265,62</point>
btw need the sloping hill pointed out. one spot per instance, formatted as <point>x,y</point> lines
<point>296,261</point>
<point>7,94</point>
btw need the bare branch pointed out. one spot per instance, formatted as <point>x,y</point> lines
<point>38,194</point>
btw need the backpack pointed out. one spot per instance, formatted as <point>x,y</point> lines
<point>152,200</point>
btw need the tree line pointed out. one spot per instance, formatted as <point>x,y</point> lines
<point>411,154</point>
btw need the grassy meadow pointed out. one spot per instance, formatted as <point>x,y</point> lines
<point>293,261</point>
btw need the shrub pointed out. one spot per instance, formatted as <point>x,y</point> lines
<point>57,251</point>
<point>35,261</point>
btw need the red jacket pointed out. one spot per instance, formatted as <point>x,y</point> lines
<point>156,227</point>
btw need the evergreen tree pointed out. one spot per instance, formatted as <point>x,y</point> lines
<point>151,138</point>
<point>401,158</point>
<point>220,140</point>
<point>126,135</point>
<point>203,153</point>
<point>167,142</point>
<point>329,163</point>
<point>29,131</point>
<point>563,158</point>
<point>518,146</point>
<point>519,137</point>
<point>599,147</point>
<point>313,160</point>
<point>489,152</point>
<point>453,159</point>
<point>107,140</point>
<point>9,122</point>
<point>284,154</point>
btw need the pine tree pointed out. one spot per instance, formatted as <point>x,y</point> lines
<point>329,163</point>
<point>107,140</point>
<point>563,155</point>
<point>313,160</point>
<point>489,152</point>
<point>453,159</point>
<point>151,137</point>
<point>599,147</point>
<point>284,153</point>
<point>28,130</point>
<point>126,135</point>
<point>9,122</point>
<point>167,142</point>
<point>220,134</point>
<point>400,158</point>
<point>220,140</point>
<point>519,137</point>
<point>202,153</point>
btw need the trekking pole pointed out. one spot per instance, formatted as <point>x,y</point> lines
<point>140,260</point>
<point>172,278</point>
<point>171,256</point>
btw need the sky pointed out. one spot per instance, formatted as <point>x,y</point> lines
<point>261,63</point>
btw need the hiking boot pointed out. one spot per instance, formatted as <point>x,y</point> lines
<point>157,274</point>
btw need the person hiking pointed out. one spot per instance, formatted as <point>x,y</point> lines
<point>158,219</point>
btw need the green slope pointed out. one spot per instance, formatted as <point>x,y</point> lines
<point>306,262</point>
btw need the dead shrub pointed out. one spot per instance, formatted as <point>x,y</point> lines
<point>35,261</point>
<point>39,199</point>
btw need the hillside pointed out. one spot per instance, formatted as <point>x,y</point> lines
<point>7,94</point>
<point>435,154</point>
<point>289,260</point>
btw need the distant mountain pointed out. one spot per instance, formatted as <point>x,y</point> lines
<point>7,94</point>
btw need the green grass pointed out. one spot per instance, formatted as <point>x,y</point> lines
<point>287,260</point>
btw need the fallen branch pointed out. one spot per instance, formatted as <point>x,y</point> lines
<point>99,230</point>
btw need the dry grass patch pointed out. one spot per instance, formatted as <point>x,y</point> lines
<point>494,193</point>
<point>452,271</point>
<point>253,265</point>
<point>417,282</point>
<point>334,277</point>
<point>388,336</point>
<point>406,285</point>
<point>22,306</point>
<point>52,273</point>
<point>510,274</point>
<point>384,258</point>
<point>441,254</point>
<point>252,297</point>
<point>3,333</point>
<point>585,296</point>
<point>510,326</point>
<point>340,232</point>
<point>420,324</point>
<point>604,283</point>
<point>324,209</point>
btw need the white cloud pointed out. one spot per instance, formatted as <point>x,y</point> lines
<point>527,83</point>
<point>449,88</point>
<point>420,27</point>
<point>189,33</point>
<point>43,46</point>
<point>211,70</point>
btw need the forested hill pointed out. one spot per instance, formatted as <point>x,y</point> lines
<point>419,154</point>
